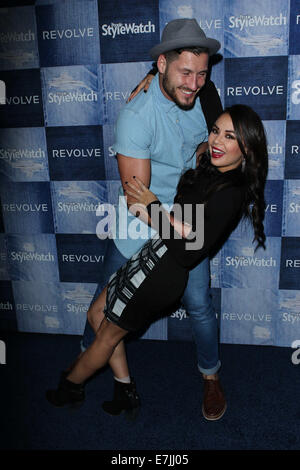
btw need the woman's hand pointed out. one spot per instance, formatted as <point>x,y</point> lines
<point>144,84</point>
<point>138,191</point>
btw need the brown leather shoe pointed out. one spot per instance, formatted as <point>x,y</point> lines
<point>214,403</point>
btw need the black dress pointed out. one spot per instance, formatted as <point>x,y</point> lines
<point>155,277</point>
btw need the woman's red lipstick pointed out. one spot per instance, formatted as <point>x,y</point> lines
<point>216,153</point>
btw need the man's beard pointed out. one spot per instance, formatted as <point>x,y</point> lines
<point>171,91</point>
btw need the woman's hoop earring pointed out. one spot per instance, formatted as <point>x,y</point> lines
<point>243,164</point>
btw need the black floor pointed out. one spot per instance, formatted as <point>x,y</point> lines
<point>261,385</point>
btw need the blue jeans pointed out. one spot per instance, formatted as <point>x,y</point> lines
<point>198,303</point>
<point>196,299</point>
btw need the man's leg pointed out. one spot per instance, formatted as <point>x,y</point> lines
<point>198,303</point>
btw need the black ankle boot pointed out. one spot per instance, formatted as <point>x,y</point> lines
<point>125,399</point>
<point>67,393</point>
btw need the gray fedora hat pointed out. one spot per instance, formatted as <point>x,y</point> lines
<point>183,32</point>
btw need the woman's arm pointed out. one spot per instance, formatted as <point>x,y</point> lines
<point>144,83</point>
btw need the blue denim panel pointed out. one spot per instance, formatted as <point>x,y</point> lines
<point>209,16</point>
<point>259,30</point>
<point>217,76</point>
<point>242,267</point>
<point>215,269</point>
<point>76,299</point>
<point>4,268</point>
<point>128,30</point>
<point>244,321</point>
<point>18,39</point>
<point>179,325</point>
<point>75,205</point>
<point>288,318</point>
<point>294,27</point>
<point>292,157</point>
<point>259,82</point>
<point>75,156</point>
<point>68,33</point>
<point>27,207</point>
<point>275,133</point>
<point>71,96</point>
<point>80,257</point>
<point>118,82</point>
<point>293,98</point>
<point>291,209</point>
<point>290,263</point>
<point>1,219</point>
<point>32,257</point>
<point>24,104</point>
<point>113,260</point>
<point>273,210</point>
<point>111,163</point>
<point>38,307</point>
<point>112,192</point>
<point>8,319</point>
<point>23,154</point>
<point>157,330</point>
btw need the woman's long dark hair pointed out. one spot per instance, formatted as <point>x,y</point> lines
<point>252,141</point>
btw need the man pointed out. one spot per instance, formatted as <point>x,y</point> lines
<point>157,135</point>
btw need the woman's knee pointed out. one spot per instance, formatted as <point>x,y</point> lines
<point>91,314</point>
<point>109,333</point>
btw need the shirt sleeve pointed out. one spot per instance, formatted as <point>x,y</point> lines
<point>132,138</point>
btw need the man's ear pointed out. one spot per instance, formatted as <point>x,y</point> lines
<point>161,63</point>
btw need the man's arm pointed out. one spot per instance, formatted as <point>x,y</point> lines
<point>129,167</point>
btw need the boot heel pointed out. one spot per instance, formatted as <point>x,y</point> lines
<point>131,415</point>
<point>67,394</point>
<point>125,400</point>
<point>76,406</point>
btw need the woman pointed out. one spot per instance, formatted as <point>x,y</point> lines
<point>229,181</point>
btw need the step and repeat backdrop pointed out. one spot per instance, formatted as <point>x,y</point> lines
<point>69,67</point>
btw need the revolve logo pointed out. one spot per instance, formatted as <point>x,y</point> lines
<point>68,33</point>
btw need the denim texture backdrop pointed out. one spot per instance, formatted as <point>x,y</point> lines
<point>69,67</point>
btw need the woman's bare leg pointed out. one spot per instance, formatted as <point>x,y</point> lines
<point>98,353</point>
<point>118,360</point>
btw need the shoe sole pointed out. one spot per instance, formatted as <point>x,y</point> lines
<point>215,418</point>
<point>130,415</point>
<point>72,406</point>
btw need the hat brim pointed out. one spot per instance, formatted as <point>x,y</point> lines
<point>212,45</point>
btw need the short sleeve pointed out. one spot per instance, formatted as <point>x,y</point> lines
<point>132,138</point>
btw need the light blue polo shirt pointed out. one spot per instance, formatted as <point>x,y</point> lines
<point>153,127</point>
